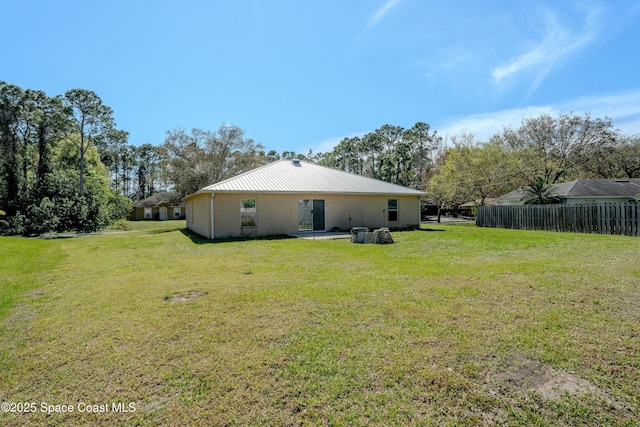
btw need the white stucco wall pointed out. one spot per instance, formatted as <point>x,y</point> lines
<point>278,213</point>
<point>199,214</point>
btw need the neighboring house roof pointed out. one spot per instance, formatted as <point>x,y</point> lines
<point>158,199</point>
<point>512,197</point>
<point>584,189</point>
<point>287,176</point>
<point>598,188</point>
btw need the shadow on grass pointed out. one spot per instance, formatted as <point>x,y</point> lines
<point>168,230</point>
<point>199,240</point>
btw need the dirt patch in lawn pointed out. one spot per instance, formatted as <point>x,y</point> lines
<point>524,375</point>
<point>21,318</point>
<point>184,296</point>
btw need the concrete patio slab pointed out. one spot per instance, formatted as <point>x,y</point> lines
<point>322,235</point>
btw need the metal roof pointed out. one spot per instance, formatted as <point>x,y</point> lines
<point>287,176</point>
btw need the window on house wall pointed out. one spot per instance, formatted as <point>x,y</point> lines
<point>147,213</point>
<point>248,212</point>
<point>177,213</point>
<point>392,209</point>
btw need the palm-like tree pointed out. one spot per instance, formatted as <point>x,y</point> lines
<point>540,193</point>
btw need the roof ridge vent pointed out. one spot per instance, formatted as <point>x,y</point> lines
<point>296,162</point>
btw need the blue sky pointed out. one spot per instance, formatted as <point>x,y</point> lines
<point>300,75</point>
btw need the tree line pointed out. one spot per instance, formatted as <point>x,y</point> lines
<point>51,178</point>
<point>65,166</point>
<point>543,151</point>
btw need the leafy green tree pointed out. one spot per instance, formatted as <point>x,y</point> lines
<point>490,170</point>
<point>442,188</point>
<point>199,158</point>
<point>113,148</point>
<point>550,148</point>
<point>473,171</point>
<point>272,156</point>
<point>30,124</point>
<point>390,153</point>
<point>371,146</point>
<point>617,158</point>
<point>288,155</point>
<point>186,166</point>
<point>42,216</point>
<point>50,121</point>
<point>51,177</point>
<point>11,121</point>
<point>394,157</point>
<point>149,160</point>
<point>232,152</point>
<point>400,164</point>
<point>90,119</point>
<point>628,157</point>
<point>423,143</point>
<point>346,156</point>
<point>118,206</point>
<point>128,159</point>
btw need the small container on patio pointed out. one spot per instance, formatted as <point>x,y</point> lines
<point>358,234</point>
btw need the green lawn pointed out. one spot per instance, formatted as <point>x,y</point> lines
<point>459,326</point>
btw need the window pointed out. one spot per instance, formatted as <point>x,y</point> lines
<point>147,213</point>
<point>177,213</point>
<point>248,212</point>
<point>392,209</point>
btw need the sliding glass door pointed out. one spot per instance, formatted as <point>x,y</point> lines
<point>311,215</point>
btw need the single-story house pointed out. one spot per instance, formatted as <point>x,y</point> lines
<point>292,196</point>
<point>582,191</point>
<point>469,208</point>
<point>160,206</point>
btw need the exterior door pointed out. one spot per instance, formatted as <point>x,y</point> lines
<point>318,215</point>
<point>311,215</point>
<point>163,213</point>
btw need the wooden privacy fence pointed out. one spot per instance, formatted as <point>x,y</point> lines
<point>602,218</point>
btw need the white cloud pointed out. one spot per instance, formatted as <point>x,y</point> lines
<point>559,43</point>
<point>483,126</point>
<point>623,108</point>
<point>621,105</point>
<point>381,12</point>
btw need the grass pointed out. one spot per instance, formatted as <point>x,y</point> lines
<point>124,225</point>
<point>463,326</point>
